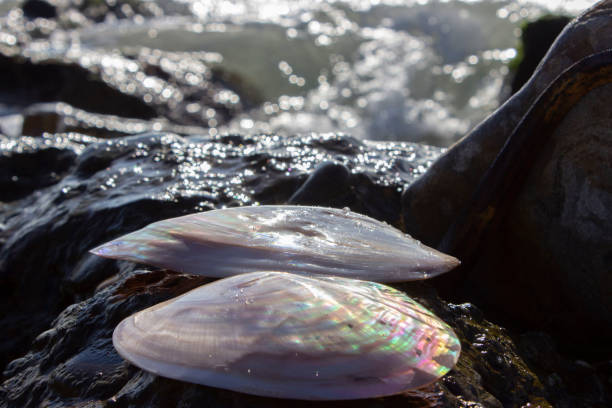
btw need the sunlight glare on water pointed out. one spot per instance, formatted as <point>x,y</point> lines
<point>424,71</point>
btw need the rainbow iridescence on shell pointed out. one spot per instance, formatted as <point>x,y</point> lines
<point>291,336</point>
<point>296,239</point>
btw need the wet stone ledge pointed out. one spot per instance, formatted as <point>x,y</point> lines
<point>100,189</point>
<point>60,304</point>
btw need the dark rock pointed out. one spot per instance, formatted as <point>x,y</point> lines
<point>88,274</point>
<point>333,185</point>
<point>59,117</point>
<point>79,13</point>
<point>97,11</point>
<point>540,218</point>
<point>38,8</point>
<point>140,84</point>
<point>23,82</point>
<point>536,38</point>
<point>75,360</point>
<point>24,171</point>
<point>532,228</point>
<point>329,185</point>
<point>59,304</point>
<point>572,383</point>
<point>433,202</point>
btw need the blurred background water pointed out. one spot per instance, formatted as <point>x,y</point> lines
<point>413,70</point>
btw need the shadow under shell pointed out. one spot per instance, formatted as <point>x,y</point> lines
<point>283,335</point>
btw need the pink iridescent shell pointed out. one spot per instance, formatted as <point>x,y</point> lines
<point>305,240</point>
<point>290,336</point>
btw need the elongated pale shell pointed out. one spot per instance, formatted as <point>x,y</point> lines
<point>308,240</point>
<point>290,336</point>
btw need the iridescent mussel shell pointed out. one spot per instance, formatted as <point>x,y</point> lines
<point>290,336</point>
<point>307,240</point>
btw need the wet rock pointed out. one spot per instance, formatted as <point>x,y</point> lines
<point>110,187</point>
<point>329,184</point>
<point>80,13</point>
<point>139,84</point>
<point>96,11</point>
<point>24,170</point>
<point>436,199</point>
<point>59,117</point>
<point>60,304</point>
<point>534,224</point>
<point>24,81</point>
<point>540,218</point>
<point>571,382</point>
<point>75,361</point>
<point>41,62</point>
<point>333,185</point>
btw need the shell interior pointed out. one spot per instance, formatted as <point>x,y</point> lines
<point>291,336</point>
<point>306,240</point>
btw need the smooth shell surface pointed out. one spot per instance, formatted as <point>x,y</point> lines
<point>290,336</point>
<point>308,240</point>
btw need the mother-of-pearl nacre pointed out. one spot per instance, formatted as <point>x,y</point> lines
<point>290,336</point>
<point>306,240</point>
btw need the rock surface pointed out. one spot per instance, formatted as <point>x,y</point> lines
<point>59,117</point>
<point>74,361</point>
<point>435,200</point>
<point>57,348</point>
<point>551,237</point>
<point>41,62</point>
<point>143,85</point>
<point>535,223</point>
<point>102,189</point>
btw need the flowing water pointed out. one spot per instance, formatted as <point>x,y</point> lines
<point>411,70</point>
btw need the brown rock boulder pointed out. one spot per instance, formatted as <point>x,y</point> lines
<point>532,220</point>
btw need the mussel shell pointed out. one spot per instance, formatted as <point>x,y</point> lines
<point>308,240</point>
<point>290,336</point>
